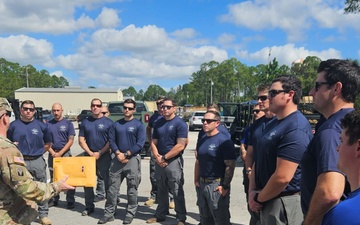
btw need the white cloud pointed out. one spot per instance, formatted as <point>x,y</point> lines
<point>108,18</point>
<point>57,73</point>
<point>186,33</point>
<point>226,38</point>
<point>26,50</point>
<point>294,17</point>
<point>287,54</point>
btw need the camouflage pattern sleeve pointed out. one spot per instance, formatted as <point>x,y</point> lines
<point>18,178</point>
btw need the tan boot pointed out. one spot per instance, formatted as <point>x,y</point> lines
<point>45,221</point>
<point>172,205</point>
<point>150,202</point>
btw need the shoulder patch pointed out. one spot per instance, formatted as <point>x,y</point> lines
<point>19,160</point>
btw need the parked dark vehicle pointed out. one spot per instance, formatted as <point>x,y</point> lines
<point>84,114</point>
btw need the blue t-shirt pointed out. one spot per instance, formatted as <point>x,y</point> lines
<point>257,128</point>
<point>31,136</point>
<point>211,153</point>
<point>60,131</point>
<point>321,155</point>
<point>287,139</point>
<point>95,131</point>
<point>167,132</point>
<point>346,212</point>
<point>127,135</point>
<point>221,128</point>
<point>153,118</point>
<point>246,136</point>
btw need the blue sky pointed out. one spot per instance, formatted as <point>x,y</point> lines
<point>117,44</point>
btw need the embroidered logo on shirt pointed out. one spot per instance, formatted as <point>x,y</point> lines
<point>131,129</point>
<point>34,131</point>
<point>171,127</point>
<point>273,133</point>
<point>212,147</point>
<point>101,126</point>
<point>62,128</point>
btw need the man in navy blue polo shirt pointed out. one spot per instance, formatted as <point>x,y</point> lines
<point>127,137</point>
<point>62,135</point>
<point>93,139</point>
<point>167,145</point>
<point>214,170</point>
<point>275,179</point>
<point>33,140</point>
<point>334,93</point>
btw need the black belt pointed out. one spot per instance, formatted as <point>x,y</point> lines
<point>210,180</point>
<point>30,157</point>
<point>284,194</point>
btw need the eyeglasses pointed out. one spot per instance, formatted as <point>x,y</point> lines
<point>159,103</point>
<point>96,105</point>
<point>262,98</point>
<point>273,93</point>
<point>8,113</point>
<point>28,109</point>
<point>128,108</point>
<point>167,106</point>
<point>208,120</point>
<point>318,85</point>
<point>104,113</point>
<point>256,111</point>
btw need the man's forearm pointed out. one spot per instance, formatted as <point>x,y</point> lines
<point>249,158</point>
<point>229,171</point>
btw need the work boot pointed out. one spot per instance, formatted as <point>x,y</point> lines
<point>127,220</point>
<point>105,220</point>
<point>45,221</point>
<point>150,202</point>
<point>154,220</point>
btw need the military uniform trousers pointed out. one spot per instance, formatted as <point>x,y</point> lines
<point>281,211</point>
<point>213,207</point>
<point>70,194</point>
<point>37,168</point>
<point>171,178</point>
<point>102,169</point>
<point>117,172</point>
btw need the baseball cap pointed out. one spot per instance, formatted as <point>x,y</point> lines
<point>4,105</point>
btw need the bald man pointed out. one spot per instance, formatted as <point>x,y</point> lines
<point>62,134</point>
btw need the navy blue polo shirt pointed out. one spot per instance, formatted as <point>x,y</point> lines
<point>96,132</point>
<point>60,131</point>
<point>321,155</point>
<point>221,128</point>
<point>127,136</point>
<point>287,139</point>
<point>167,132</point>
<point>211,153</point>
<point>31,136</point>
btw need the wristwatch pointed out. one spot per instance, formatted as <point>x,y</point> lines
<point>126,154</point>
<point>226,187</point>
<point>163,157</point>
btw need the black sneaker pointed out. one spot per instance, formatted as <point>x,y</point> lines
<point>127,220</point>
<point>99,199</point>
<point>105,220</point>
<point>87,211</point>
<point>70,205</point>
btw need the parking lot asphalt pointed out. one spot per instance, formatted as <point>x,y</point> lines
<point>239,215</point>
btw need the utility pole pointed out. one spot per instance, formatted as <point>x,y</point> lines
<point>211,97</point>
<point>27,77</point>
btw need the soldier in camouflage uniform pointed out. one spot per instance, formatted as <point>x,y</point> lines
<point>18,191</point>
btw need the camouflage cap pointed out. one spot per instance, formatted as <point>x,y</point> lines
<point>4,105</point>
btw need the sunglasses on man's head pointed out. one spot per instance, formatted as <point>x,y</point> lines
<point>28,109</point>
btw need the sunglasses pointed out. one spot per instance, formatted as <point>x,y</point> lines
<point>104,113</point>
<point>128,108</point>
<point>273,93</point>
<point>256,111</point>
<point>159,103</point>
<point>167,106</point>
<point>262,98</point>
<point>318,85</point>
<point>8,113</point>
<point>28,109</point>
<point>208,120</point>
<point>96,105</point>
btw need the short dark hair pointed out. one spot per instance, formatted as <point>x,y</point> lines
<point>213,105</point>
<point>263,87</point>
<point>351,122</point>
<point>216,114</point>
<point>96,99</point>
<point>170,99</point>
<point>27,102</point>
<point>130,100</point>
<point>347,72</point>
<point>288,83</point>
<point>161,97</point>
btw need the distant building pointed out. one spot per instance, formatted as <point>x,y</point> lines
<point>73,99</point>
